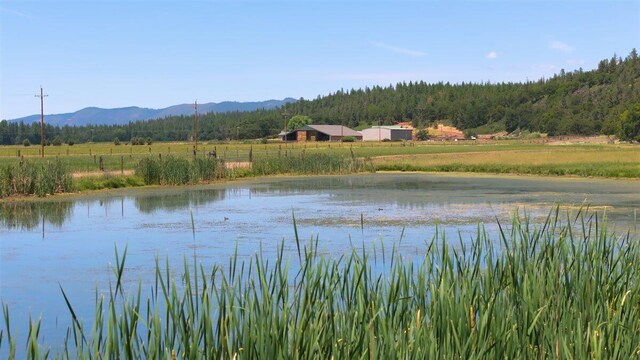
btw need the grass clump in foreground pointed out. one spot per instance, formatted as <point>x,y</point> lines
<point>561,289</point>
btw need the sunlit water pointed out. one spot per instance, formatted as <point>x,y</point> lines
<point>71,243</point>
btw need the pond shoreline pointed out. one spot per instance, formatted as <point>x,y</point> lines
<point>239,180</point>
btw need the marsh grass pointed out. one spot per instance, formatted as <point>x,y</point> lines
<point>106,182</point>
<point>310,163</point>
<point>174,170</point>
<point>565,288</point>
<point>29,178</point>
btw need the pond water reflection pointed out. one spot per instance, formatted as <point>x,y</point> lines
<point>71,242</point>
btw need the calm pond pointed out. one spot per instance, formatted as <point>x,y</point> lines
<point>70,243</point>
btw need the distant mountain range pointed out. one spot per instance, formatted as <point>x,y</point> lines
<point>119,116</point>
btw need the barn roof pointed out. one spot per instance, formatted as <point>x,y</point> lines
<point>389,127</point>
<point>332,130</point>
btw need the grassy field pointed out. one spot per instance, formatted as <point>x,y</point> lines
<point>526,157</point>
<point>582,160</point>
<point>564,288</point>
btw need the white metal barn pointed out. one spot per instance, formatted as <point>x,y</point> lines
<point>379,133</point>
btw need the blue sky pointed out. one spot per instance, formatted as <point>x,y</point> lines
<point>159,53</point>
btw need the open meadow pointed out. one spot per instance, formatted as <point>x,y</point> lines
<point>509,156</point>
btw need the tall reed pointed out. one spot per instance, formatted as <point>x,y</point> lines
<point>174,170</point>
<point>311,163</point>
<point>566,288</point>
<point>28,178</point>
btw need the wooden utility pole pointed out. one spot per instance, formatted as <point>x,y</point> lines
<point>195,105</point>
<point>285,116</point>
<point>41,96</point>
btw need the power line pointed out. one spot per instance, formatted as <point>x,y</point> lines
<point>41,96</point>
<point>195,105</point>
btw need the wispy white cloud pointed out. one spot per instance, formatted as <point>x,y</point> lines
<point>15,13</point>
<point>561,46</point>
<point>492,55</point>
<point>397,49</point>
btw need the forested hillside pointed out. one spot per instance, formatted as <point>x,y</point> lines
<point>579,102</point>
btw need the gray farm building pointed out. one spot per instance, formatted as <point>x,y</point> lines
<point>379,133</point>
<point>320,133</point>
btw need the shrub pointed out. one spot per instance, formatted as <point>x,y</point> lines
<point>116,141</point>
<point>26,142</point>
<point>70,142</point>
<point>470,135</point>
<point>148,141</point>
<point>57,141</point>
<point>149,170</point>
<point>422,135</point>
<point>348,139</point>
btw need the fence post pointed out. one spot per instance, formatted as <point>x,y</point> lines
<point>94,159</point>
<point>101,164</point>
<point>251,154</point>
<point>121,165</point>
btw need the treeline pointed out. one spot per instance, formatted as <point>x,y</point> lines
<point>577,102</point>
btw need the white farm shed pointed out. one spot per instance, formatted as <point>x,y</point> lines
<point>379,133</point>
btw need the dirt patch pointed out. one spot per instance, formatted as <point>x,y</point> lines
<point>445,132</point>
<point>82,174</point>
<point>237,165</point>
<point>568,140</point>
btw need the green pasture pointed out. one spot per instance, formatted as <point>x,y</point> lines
<point>526,157</point>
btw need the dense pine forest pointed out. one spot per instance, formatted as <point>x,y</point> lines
<point>605,100</point>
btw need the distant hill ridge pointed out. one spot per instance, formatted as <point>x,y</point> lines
<point>124,115</point>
